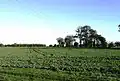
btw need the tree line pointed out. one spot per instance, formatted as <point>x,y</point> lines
<point>88,38</point>
<point>22,45</point>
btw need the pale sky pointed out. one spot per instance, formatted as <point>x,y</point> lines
<point>42,21</point>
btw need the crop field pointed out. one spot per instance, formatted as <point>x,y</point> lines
<point>59,64</point>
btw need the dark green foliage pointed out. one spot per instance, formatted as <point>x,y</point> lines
<point>89,38</point>
<point>25,45</point>
<point>55,45</point>
<point>69,39</point>
<point>110,45</point>
<point>119,28</point>
<point>117,44</point>
<point>76,44</point>
<point>1,45</point>
<point>50,45</point>
<point>62,44</point>
<point>60,41</point>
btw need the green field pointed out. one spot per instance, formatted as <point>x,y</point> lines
<point>59,64</point>
<point>59,51</point>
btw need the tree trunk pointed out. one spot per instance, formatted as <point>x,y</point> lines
<point>80,42</point>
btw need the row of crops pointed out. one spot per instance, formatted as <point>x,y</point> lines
<point>43,66</point>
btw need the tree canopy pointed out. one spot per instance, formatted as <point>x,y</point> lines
<point>87,36</point>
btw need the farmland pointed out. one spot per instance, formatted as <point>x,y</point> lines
<point>59,64</point>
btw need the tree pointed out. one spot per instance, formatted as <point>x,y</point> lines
<point>79,35</point>
<point>117,44</point>
<point>92,37</point>
<point>62,44</point>
<point>102,41</point>
<point>69,40</point>
<point>55,45</point>
<point>1,45</point>
<point>110,45</point>
<point>76,44</point>
<point>60,41</point>
<point>85,35</point>
<point>119,28</point>
<point>50,45</point>
<point>89,38</point>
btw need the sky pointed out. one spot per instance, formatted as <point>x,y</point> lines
<point>42,21</point>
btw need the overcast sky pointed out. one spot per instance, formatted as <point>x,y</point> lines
<point>42,21</point>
